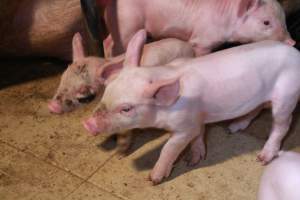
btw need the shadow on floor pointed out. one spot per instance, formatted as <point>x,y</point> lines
<point>19,70</point>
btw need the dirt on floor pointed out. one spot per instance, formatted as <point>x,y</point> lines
<point>45,156</point>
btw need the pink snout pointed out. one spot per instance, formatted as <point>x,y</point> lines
<point>55,107</point>
<point>93,126</point>
<point>290,41</point>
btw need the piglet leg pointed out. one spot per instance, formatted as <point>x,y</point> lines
<point>282,110</point>
<point>197,149</point>
<point>171,150</point>
<point>243,122</point>
<point>124,142</point>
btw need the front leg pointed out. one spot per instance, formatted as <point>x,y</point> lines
<point>124,142</point>
<point>171,150</point>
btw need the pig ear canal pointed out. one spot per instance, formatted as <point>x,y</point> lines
<point>247,5</point>
<point>164,93</point>
<point>109,72</point>
<point>77,47</point>
<point>135,48</point>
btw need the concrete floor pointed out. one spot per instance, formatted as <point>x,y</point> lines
<point>45,156</point>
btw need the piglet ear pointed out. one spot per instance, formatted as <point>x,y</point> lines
<point>77,47</point>
<point>109,72</point>
<point>135,48</point>
<point>247,5</point>
<point>163,93</point>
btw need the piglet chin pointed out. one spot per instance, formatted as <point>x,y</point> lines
<point>92,126</point>
<point>55,107</point>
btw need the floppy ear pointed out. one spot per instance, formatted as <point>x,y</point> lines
<point>247,5</point>
<point>163,93</point>
<point>135,48</point>
<point>77,47</point>
<point>109,72</point>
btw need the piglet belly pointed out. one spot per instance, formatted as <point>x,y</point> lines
<point>232,100</point>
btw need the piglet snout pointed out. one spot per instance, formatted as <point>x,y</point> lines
<point>290,41</point>
<point>55,107</point>
<point>92,126</point>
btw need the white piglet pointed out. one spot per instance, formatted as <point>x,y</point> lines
<point>281,178</point>
<point>186,94</point>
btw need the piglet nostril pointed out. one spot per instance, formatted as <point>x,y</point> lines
<point>58,97</point>
<point>290,41</point>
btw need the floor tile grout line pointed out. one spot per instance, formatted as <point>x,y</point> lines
<point>53,165</point>
<point>120,197</point>
<point>6,174</point>
<point>92,174</point>
<point>74,190</point>
<point>102,165</point>
<point>68,172</point>
<point>42,160</point>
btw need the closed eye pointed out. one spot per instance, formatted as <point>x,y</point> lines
<point>86,99</point>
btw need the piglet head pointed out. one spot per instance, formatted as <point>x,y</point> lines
<point>79,83</point>
<point>261,20</point>
<point>135,97</point>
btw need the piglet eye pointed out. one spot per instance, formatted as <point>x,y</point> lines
<point>267,23</point>
<point>126,108</point>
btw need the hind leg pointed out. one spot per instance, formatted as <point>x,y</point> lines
<point>282,109</point>
<point>243,122</point>
<point>197,149</point>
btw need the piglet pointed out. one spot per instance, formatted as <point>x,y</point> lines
<point>281,178</point>
<point>83,79</point>
<point>204,24</point>
<point>186,94</point>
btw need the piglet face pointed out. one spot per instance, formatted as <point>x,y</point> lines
<point>136,97</point>
<point>122,106</point>
<point>262,20</point>
<point>117,119</point>
<point>78,85</point>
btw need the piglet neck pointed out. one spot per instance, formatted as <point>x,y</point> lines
<point>237,37</point>
<point>161,118</point>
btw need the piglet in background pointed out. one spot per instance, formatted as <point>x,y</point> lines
<point>204,24</point>
<point>281,178</point>
<point>186,94</point>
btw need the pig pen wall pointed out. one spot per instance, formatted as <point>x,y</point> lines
<point>45,156</point>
